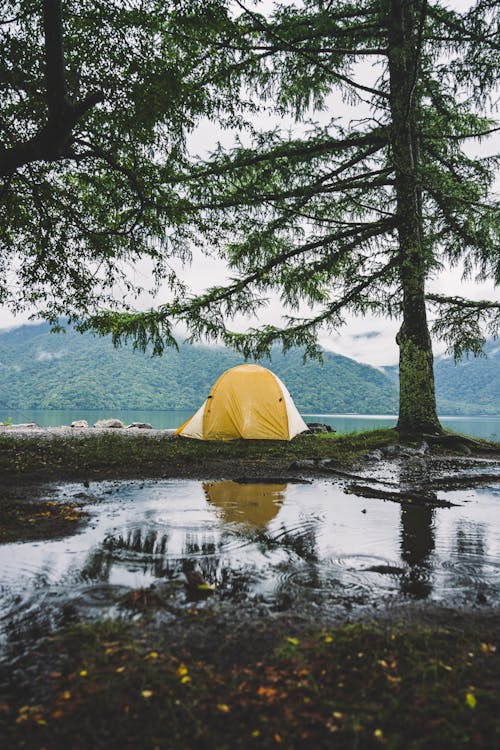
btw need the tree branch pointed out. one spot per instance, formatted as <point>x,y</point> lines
<point>51,143</point>
<point>461,302</point>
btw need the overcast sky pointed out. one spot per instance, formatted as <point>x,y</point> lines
<point>368,339</point>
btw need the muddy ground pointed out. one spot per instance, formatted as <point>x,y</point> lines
<point>235,676</point>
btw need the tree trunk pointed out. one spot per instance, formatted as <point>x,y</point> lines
<point>417,399</point>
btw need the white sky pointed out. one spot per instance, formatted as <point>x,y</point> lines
<point>379,347</point>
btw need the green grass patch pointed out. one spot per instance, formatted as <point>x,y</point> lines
<point>113,454</point>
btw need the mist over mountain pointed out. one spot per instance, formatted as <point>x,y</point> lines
<point>42,370</point>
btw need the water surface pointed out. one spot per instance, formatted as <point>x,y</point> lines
<point>280,546</point>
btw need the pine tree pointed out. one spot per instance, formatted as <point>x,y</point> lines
<point>351,218</point>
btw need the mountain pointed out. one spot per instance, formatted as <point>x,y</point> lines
<point>469,387</point>
<point>42,370</point>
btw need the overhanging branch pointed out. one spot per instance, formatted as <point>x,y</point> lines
<point>53,139</point>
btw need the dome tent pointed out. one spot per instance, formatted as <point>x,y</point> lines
<point>247,401</point>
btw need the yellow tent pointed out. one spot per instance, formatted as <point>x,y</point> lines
<point>247,401</point>
<point>251,504</point>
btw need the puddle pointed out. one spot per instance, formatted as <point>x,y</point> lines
<point>279,546</point>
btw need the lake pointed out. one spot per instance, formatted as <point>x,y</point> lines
<point>487,428</point>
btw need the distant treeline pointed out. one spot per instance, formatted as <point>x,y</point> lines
<point>40,370</point>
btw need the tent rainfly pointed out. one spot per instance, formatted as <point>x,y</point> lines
<point>247,401</point>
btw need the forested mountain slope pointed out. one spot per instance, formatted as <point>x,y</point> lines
<point>471,386</point>
<point>39,369</point>
<point>43,370</point>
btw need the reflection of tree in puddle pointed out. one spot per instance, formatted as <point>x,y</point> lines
<point>253,504</point>
<point>417,546</point>
<point>144,551</point>
<point>470,541</point>
<point>142,546</point>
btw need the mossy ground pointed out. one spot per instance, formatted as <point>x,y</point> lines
<point>261,685</point>
<point>112,455</point>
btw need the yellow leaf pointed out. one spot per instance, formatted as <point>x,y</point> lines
<point>378,733</point>
<point>471,700</point>
<point>223,708</point>
<point>328,639</point>
<point>152,655</point>
<point>256,733</point>
<point>393,680</point>
<point>83,673</point>
<point>119,670</point>
<point>147,693</point>
<point>293,641</point>
<point>66,696</point>
<point>182,670</point>
<point>337,715</point>
<point>185,679</point>
<point>206,586</point>
<point>446,666</point>
<point>488,648</point>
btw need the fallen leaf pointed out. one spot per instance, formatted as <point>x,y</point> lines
<point>267,692</point>
<point>488,648</point>
<point>471,700</point>
<point>147,693</point>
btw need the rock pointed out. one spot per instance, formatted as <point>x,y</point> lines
<point>79,423</point>
<point>27,426</point>
<point>140,426</point>
<point>375,455</point>
<point>316,427</point>
<point>109,423</point>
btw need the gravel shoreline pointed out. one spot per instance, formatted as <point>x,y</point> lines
<point>51,433</point>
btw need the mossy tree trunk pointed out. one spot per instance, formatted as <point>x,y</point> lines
<point>417,399</point>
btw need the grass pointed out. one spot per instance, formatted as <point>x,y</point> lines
<point>110,685</point>
<point>107,455</point>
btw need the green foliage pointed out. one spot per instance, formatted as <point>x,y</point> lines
<point>319,214</point>
<point>96,101</point>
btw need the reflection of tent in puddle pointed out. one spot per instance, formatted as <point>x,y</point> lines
<point>255,504</point>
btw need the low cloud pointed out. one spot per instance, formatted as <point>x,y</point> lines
<point>43,356</point>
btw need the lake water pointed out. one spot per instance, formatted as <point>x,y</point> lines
<point>487,428</point>
<point>276,546</point>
